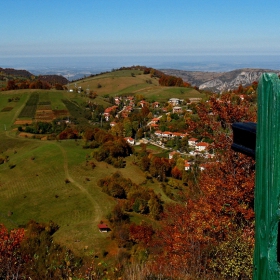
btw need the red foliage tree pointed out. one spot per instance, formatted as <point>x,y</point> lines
<point>11,259</point>
<point>11,85</point>
<point>176,173</point>
<point>69,133</point>
<point>141,233</point>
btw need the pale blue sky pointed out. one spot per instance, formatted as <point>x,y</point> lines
<point>139,27</point>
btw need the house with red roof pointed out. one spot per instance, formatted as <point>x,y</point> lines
<point>108,112</point>
<point>155,104</point>
<point>129,140</point>
<point>187,165</point>
<point>103,227</point>
<point>154,125</point>
<point>201,146</point>
<point>179,134</point>
<point>166,134</point>
<point>155,120</point>
<point>158,133</point>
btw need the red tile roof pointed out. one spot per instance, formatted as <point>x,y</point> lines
<point>202,144</point>
<point>103,226</point>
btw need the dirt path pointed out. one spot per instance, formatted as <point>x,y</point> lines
<point>144,89</point>
<point>94,202</point>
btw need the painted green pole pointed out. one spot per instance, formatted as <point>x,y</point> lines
<point>267,189</point>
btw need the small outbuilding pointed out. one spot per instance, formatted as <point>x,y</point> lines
<point>103,228</point>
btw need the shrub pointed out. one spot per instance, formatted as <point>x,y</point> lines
<point>11,165</point>
<point>92,164</point>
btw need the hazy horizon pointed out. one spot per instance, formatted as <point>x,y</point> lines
<point>70,65</point>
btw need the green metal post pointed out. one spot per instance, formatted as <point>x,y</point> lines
<point>267,190</point>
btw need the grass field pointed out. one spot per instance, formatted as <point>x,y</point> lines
<point>35,189</point>
<point>122,82</point>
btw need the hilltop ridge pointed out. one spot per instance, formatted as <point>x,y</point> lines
<point>220,81</point>
<point>11,73</point>
<point>204,80</point>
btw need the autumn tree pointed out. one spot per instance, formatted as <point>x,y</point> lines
<point>160,168</point>
<point>12,260</point>
<point>11,85</point>
<point>49,260</point>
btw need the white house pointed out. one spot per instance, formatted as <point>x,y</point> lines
<point>192,142</point>
<point>129,140</point>
<point>158,133</point>
<point>177,110</point>
<point>201,146</point>
<point>174,101</point>
<point>166,134</point>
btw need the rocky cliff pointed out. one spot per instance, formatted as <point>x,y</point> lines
<point>220,81</point>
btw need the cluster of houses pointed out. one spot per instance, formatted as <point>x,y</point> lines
<point>129,104</point>
<point>169,135</point>
<point>197,148</point>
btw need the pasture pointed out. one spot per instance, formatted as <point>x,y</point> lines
<point>35,189</point>
<point>133,82</point>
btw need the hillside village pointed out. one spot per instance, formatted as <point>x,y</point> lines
<point>196,147</point>
<point>124,168</point>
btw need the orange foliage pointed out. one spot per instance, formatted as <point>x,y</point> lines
<point>11,259</point>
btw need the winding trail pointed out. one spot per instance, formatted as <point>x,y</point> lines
<point>97,216</point>
<point>94,202</point>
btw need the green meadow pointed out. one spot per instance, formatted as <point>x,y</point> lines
<point>126,82</point>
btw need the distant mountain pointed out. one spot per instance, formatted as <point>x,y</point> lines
<point>18,74</point>
<point>212,81</point>
<point>15,72</point>
<point>220,81</point>
<point>53,79</point>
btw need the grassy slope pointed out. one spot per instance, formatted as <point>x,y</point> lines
<point>35,188</point>
<point>121,82</point>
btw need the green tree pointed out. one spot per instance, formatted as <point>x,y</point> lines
<point>127,125</point>
<point>155,206</point>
